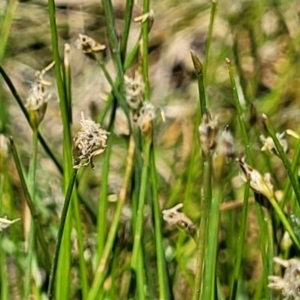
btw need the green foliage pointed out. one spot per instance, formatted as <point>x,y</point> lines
<point>131,241</point>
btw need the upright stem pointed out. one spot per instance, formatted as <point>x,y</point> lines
<point>60,234</point>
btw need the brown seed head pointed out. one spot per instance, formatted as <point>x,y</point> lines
<point>88,142</point>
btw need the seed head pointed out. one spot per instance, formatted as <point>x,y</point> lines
<point>134,90</point>
<point>88,142</point>
<point>147,115</point>
<point>208,131</point>
<point>38,98</point>
<point>173,217</point>
<point>225,145</point>
<point>260,184</point>
<point>88,45</point>
<point>269,145</point>
<point>290,283</point>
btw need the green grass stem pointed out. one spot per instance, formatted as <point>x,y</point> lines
<point>127,22</point>
<point>212,244</point>
<point>58,245</point>
<point>100,273</point>
<point>283,157</point>
<point>202,235</point>
<point>164,292</point>
<point>209,36</point>
<point>31,242</point>
<point>34,213</point>
<point>198,67</point>
<point>144,49</point>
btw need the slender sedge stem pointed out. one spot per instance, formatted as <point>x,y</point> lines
<point>198,67</point>
<point>32,184</point>
<point>6,25</point>
<point>141,203</point>
<point>283,157</point>
<point>145,54</point>
<point>212,244</point>
<point>127,21</point>
<point>209,36</point>
<point>202,235</point>
<point>100,273</point>
<point>34,214</point>
<point>164,292</point>
<point>240,243</point>
<point>60,234</point>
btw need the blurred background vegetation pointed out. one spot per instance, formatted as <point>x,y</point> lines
<point>261,38</point>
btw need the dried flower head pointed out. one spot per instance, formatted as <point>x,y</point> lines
<point>88,142</point>
<point>269,145</point>
<point>290,283</point>
<point>225,145</point>
<point>87,44</point>
<point>208,131</point>
<point>134,90</point>
<point>38,98</point>
<point>173,217</point>
<point>260,184</point>
<point>147,115</point>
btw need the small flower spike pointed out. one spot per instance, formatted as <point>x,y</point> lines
<point>225,145</point>
<point>147,115</point>
<point>269,145</point>
<point>260,184</point>
<point>38,98</point>
<point>134,91</point>
<point>173,217</point>
<point>88,45</point>
<point>290,283</point>
<point>208,131</point>
<point>88,142</point>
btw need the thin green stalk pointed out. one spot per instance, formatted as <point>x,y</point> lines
<point>164,292</point>
<point>63,220</point>
<point>127,21</point>
<point>34,214</point>
<point>209,36</point>
<point>212,245</point>
<point>284,221</point>
<point>141,204</point>
<point>202,235</point>
<point>112,36</point>
<point>240,245</point>
<point>131,56</point>
<point>240,112</point>
<point>120,96</point>
<point>100,273</point>
<point>198,67</point>
<point>82,261</point>
<point>102,208</point>
<point>6,25</point>
<point>287,187</point>
<point>32,184</point>
<point>64,265</point>
<point>140,275</point>
<point>145,46</point>
<point>242,125</point>
<point>283,157</point>
<point>67,81</point>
